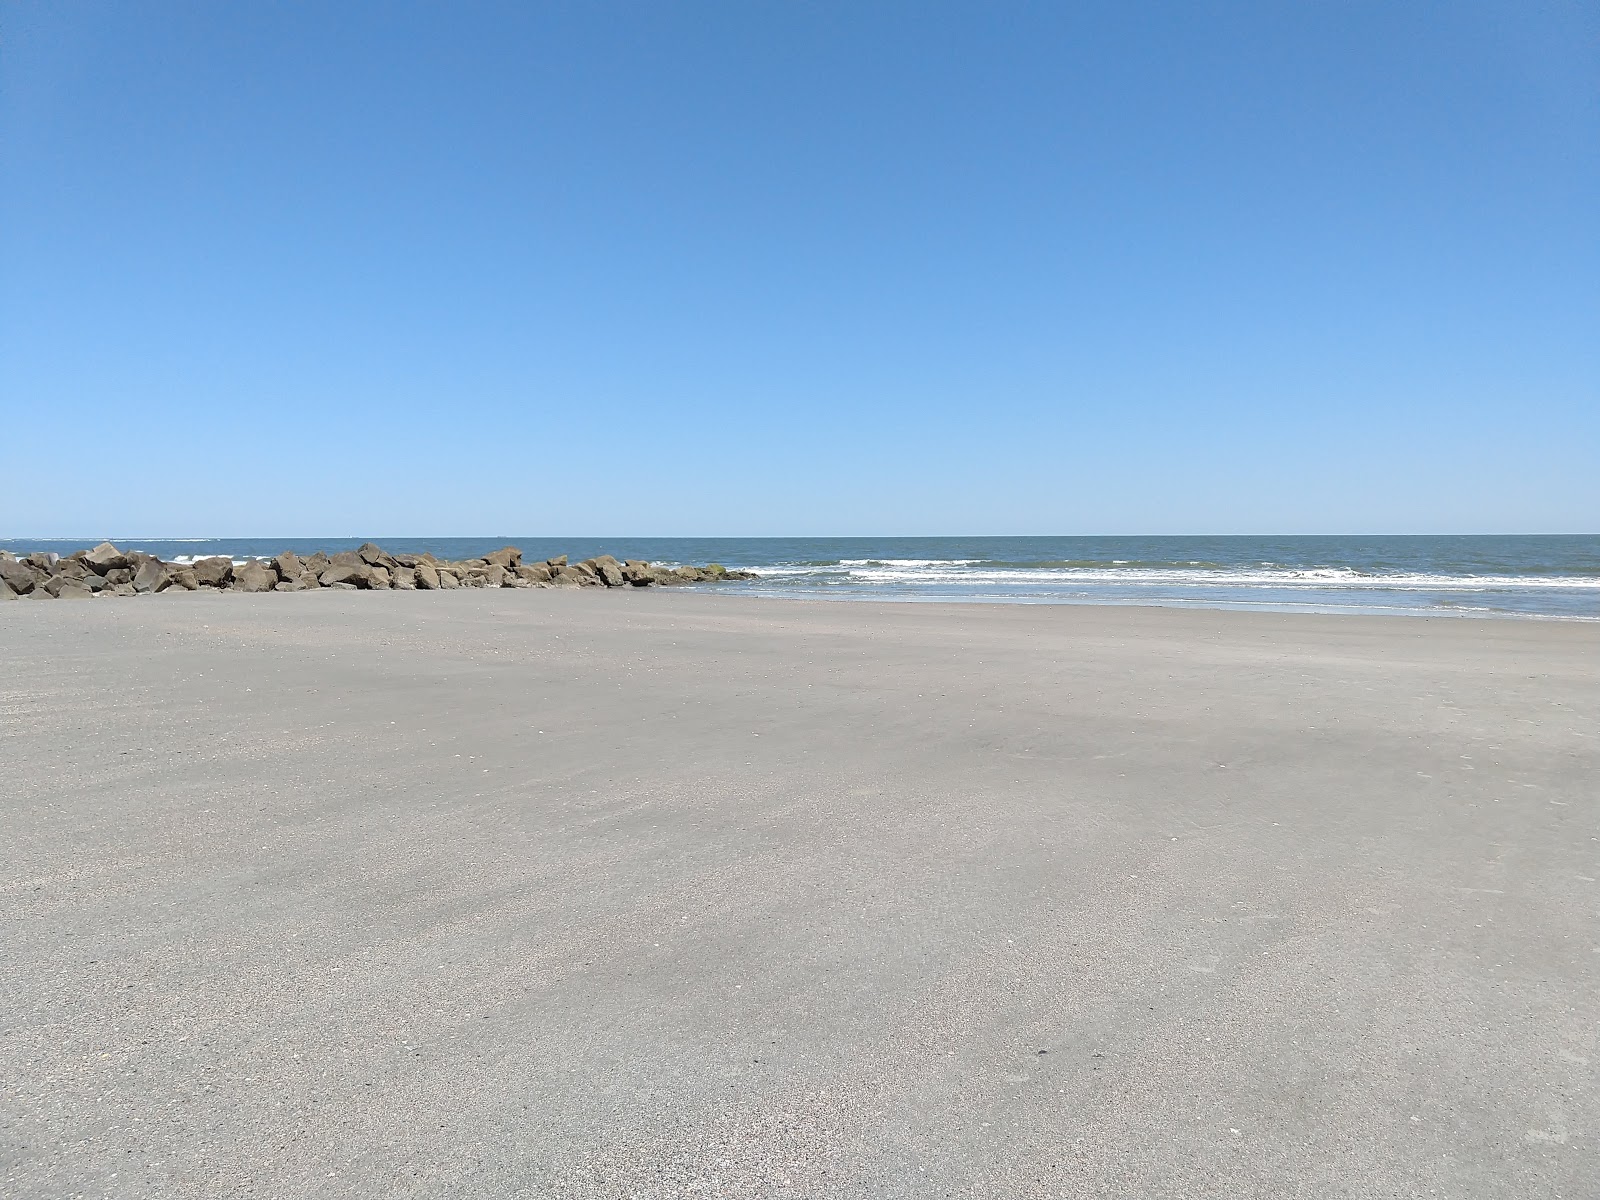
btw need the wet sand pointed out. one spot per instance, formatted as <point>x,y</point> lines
<point>537,893</point>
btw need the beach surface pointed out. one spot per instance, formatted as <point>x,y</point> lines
<point>651,894</point>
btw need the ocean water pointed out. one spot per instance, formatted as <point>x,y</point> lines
<point>1508,576</point>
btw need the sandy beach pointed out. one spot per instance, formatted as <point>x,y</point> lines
<point>655,894</point>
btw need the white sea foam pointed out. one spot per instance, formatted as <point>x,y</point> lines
<point>912,572</point>
<point>908,563</point>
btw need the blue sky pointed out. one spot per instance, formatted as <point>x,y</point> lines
<point>784,268</point>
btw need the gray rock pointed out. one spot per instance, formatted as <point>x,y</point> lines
<point>17,576</point>
<point>105,557</point>
<point>340,585</point>
<point>427,576</point>
<point>537,574</point>
<point>405,578</point>
<point>71,568</point>
<point>555,564</point>
<point>254,576</point>
<point>609,570</point>
<point>509,558</point>
<point>448,580</point>
<point>152,576</point>
<point>6,592</point>
<point>44,560</point>
<point>289,566</point>
<point>183,578</point>
<point>122,589</point>
<point>213,572</point>
<point>354,575</point>
<point>378,577</point>
<point>64,587</point>
<point>376,556</point>
<point>119,575</point>
<point>316,564</point>
<point>495,576</point>
<point>576,577</point>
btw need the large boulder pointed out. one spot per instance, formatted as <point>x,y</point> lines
<point>606,568</point>
<point>6,592</point>
<point>183,578</point>
<point>105,557</point>
<point>576,577</point>
<point>43,560</point>
<point>405,578</point>
<point>449,579</point>
<point>316,564</point>
<point>71,568</point>
<point>347,558</point>
<point>65,587</point>
<point>427,576</point>
<point>495,576</point>
<point>535,575</point>
<point>357,575</point>
<point>376,556</point>
<point>254,576</point>
<point>555,564</point>
<point>509,558</point>
<point>379,577</point>
<point>17,576</point>
<point>289,566</point>
<point>215,572</point>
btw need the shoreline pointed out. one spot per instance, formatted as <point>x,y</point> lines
<point>1264,607</point>
<point>1486,575</point>
<point>957,604</point>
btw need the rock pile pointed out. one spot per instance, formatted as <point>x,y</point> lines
<point>107,571</point>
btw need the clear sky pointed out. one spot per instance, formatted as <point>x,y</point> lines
<point>332,268</point>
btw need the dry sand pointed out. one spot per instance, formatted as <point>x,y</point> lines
<point>532,893</point>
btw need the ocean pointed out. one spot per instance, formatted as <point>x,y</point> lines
<point>1532,576</point>
<point>1554,576</point>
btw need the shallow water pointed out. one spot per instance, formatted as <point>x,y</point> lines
<point>1529,576</point>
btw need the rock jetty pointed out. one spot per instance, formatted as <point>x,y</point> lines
<point>108,571</point>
